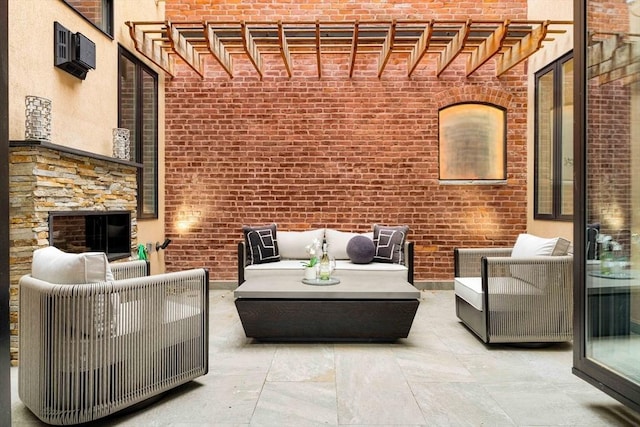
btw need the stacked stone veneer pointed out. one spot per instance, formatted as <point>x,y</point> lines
<point>44,180</point>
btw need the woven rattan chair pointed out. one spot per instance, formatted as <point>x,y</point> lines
<point>90,350</point>
<point>503,299</point>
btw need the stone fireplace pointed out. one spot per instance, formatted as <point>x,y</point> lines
<point>47,180</point>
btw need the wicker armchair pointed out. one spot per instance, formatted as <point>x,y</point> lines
<point>90,350</point>
<point>503,299</point>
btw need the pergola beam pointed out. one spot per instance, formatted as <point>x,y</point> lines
<point>524,48</point>
<point>387,46</point>
<point>250,48</point>
<point>218,51</point>
<point>318,52</point>
<point>454,48</point>
<point>284,49</point>
<point>420,48</point>
<point>354,48</point>
<point>184,49</point>
<point>487,49</point>
<point>149,47</point>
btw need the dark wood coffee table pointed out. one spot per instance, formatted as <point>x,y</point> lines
<point>367,308</point>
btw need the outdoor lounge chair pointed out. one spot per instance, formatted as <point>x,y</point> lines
<point>91,349</point>
<point>504,295</point>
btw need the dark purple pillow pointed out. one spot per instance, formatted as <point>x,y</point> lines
<point>361,250</point>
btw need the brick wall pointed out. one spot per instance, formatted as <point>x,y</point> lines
<point>333,152</point>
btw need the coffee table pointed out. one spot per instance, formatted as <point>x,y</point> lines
<point>363,308</point>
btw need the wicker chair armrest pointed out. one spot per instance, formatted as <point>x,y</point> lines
<point>544,272</point>
<point>564,260</point>
<point>467,261</point>
<point>130,269</point>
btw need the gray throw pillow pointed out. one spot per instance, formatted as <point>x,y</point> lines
<point>389,243</point>
<point>262,244</point>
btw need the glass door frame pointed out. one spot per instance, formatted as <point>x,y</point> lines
<point>618,387</point>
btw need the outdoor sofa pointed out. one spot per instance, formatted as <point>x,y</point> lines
<point>393,256</point>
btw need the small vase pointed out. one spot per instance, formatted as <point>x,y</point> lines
<point>310,273</point>
<point>121,147</point>
<point>38,119</point>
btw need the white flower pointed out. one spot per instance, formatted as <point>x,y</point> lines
<point>313,249</point>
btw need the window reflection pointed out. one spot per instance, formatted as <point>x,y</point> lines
<point>613,200</point>
<point>98,12</point>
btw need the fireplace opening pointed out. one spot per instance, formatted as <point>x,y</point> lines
<point>89,231</point>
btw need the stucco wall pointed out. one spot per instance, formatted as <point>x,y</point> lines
<point>559,10</point>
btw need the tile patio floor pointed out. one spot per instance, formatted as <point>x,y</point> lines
<point>440,376</point>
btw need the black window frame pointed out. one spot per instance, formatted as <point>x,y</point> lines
<point>107,16</point>
<point>137,150</point>
<point>557,68</point>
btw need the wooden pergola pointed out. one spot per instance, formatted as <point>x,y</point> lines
<point>509,42</point>
<point>613,56</point>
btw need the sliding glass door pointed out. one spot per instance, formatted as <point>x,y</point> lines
<point>607,327</point>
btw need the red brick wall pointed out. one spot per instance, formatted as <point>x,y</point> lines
<point>333,152</point>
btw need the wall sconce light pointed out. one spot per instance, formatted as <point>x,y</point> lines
<point>163,245</point>
<point>187,219</point>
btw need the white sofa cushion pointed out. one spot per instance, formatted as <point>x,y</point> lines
<point>292,244</point>
<point>338,241</point>
<point>55,266</point>
<point>344,268</point>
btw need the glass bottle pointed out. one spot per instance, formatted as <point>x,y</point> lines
<point>325,264</point>
<point>606,261</point>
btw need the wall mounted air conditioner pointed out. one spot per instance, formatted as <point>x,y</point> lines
<point>73,52</point>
